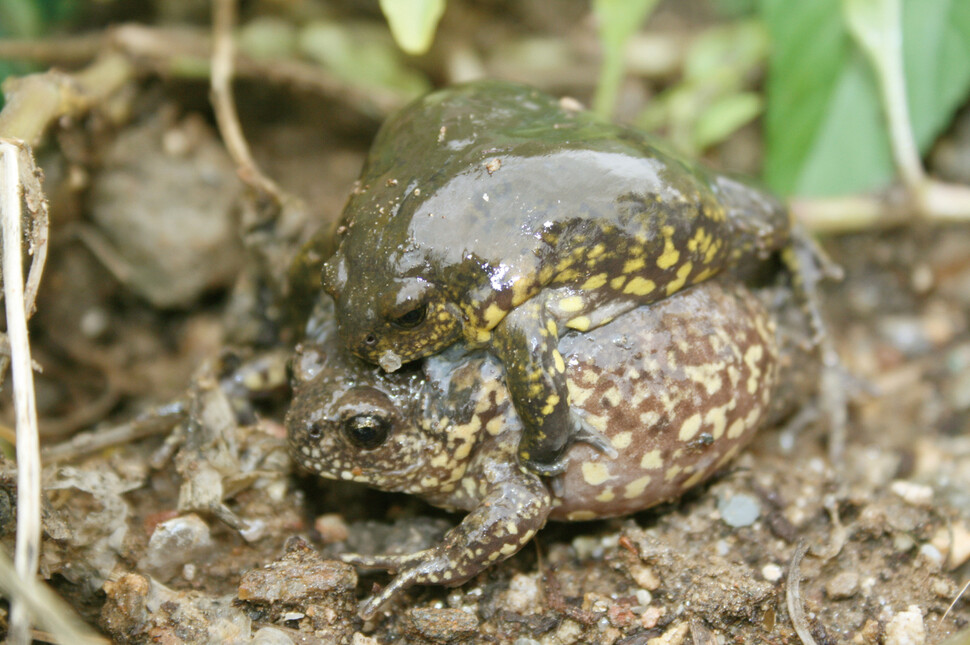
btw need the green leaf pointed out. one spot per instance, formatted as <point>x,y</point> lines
<point>617,20</point>
<point>724,116</point>
<point>825,128</point>
<point>413,22</point>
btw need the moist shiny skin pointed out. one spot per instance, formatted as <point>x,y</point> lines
<point>492,213</point>
<point>677,387</point>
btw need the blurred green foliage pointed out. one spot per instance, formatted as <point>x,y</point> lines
<point>825,125</point>
<point>29,19</point>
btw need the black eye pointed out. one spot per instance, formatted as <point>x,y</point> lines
<point>412,318</point>
<point>367,430</point>
<point>370,339</point>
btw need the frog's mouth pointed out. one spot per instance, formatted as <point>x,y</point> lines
<point>390,361</point>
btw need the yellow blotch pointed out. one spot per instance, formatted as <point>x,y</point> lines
<point>581,516</point>
<point>671,255</point>
<point>712,251</point>
<point>672,472</point>
<point>482,336</point>
<point>494,426</point>
<point>703,275</point>
<point>636,487</point>
<point>571,304</point>
<point>606,496</point>
<point>690,427</point>
<point>551,404</point>
<point>594,282</point>
<point>595,472</point>
<point>682,273</point>
<point>493,315</point>
<point>552,329</point>
<point>729,455</point>
<point>596,251</point>
<point>736,429</point>
<point>617,282</point>
<point>639,286</point>
<point>633,265</point>
<point>622,440</point>
<point>651,460</point>
<point>560,363</point>
<point>579,323</point>
<point>693,480</point>
<point>522,290</point>
<point>717,417</point>
<point>509,549</point>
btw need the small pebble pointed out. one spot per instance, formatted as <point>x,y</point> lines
<point>843,585</point>
<point>931,553</point>
<point>442,624</point>
<point>771,572</point>
<point>906,628</point>
<point>644,576</point>
<point>522,594</point>
<point>360,639</point>
<point>914,494</point>
<point>331,528</point>
<point>740,510</point>
<point>644,597</point>
<point>673,636</point>
<point>175,543</point>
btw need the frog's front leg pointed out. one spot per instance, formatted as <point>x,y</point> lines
<point>506,519</point>
<point>527,343</point>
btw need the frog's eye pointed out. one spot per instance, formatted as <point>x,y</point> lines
<point>412,318</point>
<point>368,431</point>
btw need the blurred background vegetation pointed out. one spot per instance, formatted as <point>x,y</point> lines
<point>694,71</point>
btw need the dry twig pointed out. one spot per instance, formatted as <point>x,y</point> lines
<point>793,596</point>
<point>27,548</point>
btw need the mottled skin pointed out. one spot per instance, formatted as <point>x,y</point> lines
<point>494,214</point>
<point>677,387</point>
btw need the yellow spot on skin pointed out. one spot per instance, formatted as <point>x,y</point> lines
<point>492,316</point>
<point>580,516</point>
<point>622,440</point>
<point>595,472</point>
<point>693,480</point>
<point>631,266</point>
<point>560,363</point>
<point>439,460</point>
<point>703,275</point>
<point>690,427</point>
<point>639,286</point>
<point>671,255</point>
<point>617,282</point>
<point>494,426</point>
<point>579,323</point>
<point>651,460</point>
<point>712,251</point>
<point>571,304</point>
<point>552,329</point>
<point>551,404</point>
<point>596,251</point>
<point>595,282</point>
<point>736,429</point>
<point>509,549</point>
<point>606,496</point>
<point>612,396</point>
<point>717,418</point>
<point>577,393</point>
<point>672,472</point>
<point>636,487</point>
<point>522,290</point>
<point>682,274</point>
<point>482,336</point>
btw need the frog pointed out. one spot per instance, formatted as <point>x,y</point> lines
<point>678,388</point>
<point>496,216</point>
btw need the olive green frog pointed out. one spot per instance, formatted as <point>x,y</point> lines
<point>494,214</point>
<point>677,388</point>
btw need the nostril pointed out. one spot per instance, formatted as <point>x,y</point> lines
<point>370,339</point>
<point>315,430</point>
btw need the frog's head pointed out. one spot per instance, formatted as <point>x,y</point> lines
<point>349,420</point>
<point>390,321</point>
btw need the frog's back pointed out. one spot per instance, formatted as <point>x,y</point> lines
<point>495,190</point>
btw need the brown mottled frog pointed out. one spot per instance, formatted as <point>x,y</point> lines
<point>497,215</point>
<point>677,387</point>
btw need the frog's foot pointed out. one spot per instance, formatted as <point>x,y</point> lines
<point>583,432</point>
<point>430,566</point>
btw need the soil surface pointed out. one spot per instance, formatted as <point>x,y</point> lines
<point>202,529</point>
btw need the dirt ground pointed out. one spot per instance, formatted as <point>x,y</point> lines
<point>206,533</point>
